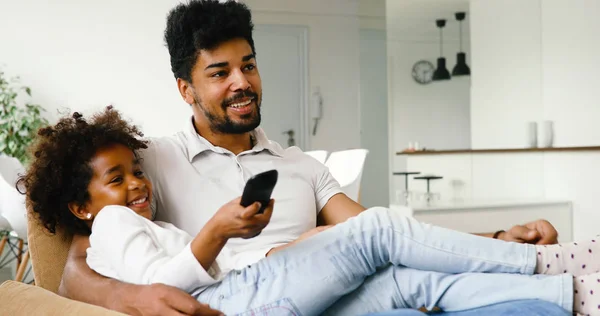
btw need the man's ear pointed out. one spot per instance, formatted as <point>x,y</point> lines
<point>80,211</point>
<point>186,91</point>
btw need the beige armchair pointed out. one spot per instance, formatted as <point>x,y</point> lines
<point>48,255</point>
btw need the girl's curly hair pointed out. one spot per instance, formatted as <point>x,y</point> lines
<point>60,170</point>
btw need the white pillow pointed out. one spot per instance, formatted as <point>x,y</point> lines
<point>10,169</point>
<point>12,208</point>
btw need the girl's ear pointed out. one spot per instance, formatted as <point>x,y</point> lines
<point>80,211</point>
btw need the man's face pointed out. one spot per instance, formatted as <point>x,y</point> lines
<point>226,88</point>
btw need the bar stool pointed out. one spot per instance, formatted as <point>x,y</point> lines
<point>406,193</point>
<point>429,196</point>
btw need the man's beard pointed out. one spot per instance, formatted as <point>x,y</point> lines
<point>224,125</point>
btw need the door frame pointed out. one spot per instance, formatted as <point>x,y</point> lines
<point>301,34</point>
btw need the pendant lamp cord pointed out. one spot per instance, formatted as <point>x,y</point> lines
<point>441,51</point>
<point>460,35</point>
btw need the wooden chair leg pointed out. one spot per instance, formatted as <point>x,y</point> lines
<point>22,267</point>
<point>20,252</point>
<point>3,243</point>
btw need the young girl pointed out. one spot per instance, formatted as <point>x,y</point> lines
<point>86,177</point>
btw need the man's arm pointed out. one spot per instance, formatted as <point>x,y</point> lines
<point>539,232</point>
<point>81,283</point>
<point>338,209</point>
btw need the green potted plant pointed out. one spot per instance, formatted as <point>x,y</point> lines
<point>18,124</point>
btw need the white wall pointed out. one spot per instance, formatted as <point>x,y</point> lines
<point>435,115</point>
<point>573,176</point>
<point>563,176</point>
<point>416,18</point>
<point>485,177</point>
<point>570,60</point>
<point>570,50</point>
<point>86,55</point>
<point>333,61</point>
<point>506,91</point>
<point>457,171</point>
<point>536,62</point>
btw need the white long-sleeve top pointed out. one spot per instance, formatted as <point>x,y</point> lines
<point>128,247</point>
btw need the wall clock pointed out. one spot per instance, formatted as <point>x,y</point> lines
<point>422,72</point>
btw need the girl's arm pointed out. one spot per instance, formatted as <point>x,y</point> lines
<point>79,282</point>
<point>121,243</point>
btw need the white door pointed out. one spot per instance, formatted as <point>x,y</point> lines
<point>282,59</point>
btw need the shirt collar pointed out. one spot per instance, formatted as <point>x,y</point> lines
<point>197,144</point>
<point>261,142</point>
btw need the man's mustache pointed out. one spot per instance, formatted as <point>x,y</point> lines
<point>239,96</point>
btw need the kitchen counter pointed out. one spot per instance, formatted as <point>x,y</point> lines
<point>500,150</point>
<point>479,204</point>
<point>480,216</point>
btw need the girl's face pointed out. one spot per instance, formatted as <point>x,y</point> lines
<point>118,179</point>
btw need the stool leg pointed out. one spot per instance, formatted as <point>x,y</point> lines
<point>3,243</point>
<point>20,253</point>
<point>428,192</point>
<point>22,266</point>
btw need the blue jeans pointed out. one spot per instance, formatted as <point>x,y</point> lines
<point>379,261</point>
<point>516,308</point>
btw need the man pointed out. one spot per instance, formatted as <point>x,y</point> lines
<point>207,164</point>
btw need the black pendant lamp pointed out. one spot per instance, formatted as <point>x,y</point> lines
<point>461,68</point>
<point>441,73</point>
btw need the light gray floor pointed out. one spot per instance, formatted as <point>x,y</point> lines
<point>5,274</point>
<point>8,272</point>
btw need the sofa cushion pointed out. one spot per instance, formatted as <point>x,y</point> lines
<point>23,299</point>
<point>48,253</point>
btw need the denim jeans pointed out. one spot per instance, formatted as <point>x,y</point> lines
<point>380,260</point>
<point>516,308</point>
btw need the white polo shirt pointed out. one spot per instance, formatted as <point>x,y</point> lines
<point>130,248</point>
<point>192,179</point>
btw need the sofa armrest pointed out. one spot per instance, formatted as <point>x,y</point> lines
<point>22,299</point>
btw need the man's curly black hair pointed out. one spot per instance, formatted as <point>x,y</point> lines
<point>204,24</point>
<point>60,170</point>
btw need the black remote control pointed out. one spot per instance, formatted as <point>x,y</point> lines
<point>259,189</point>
